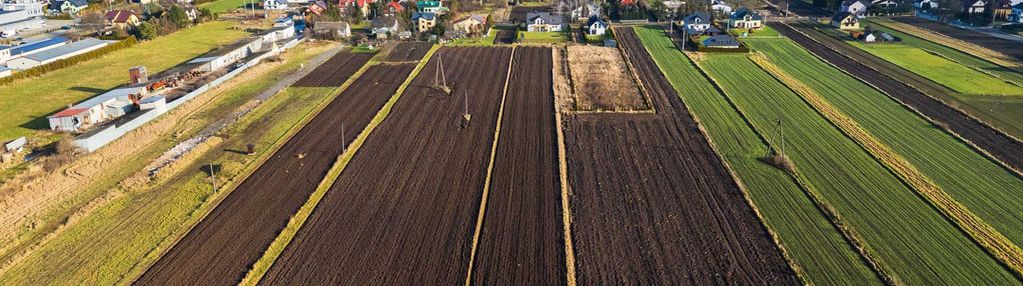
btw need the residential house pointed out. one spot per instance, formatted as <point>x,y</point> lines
<point>317,8</point>
<point>275,5</point>
<point>68,6</point>
<point>584,12</point>
<point>1002,9</point>
<point>721,41</point>
<point>696,23</point>
<point>58,53</point>
<point>346,6</point>
<point>973,7</point>
<point>926,4</point>
<point>394,8</point>
<point>543,22</point>
<point>720,7</point>
<point>845,21</point>
<point>856,7</point>
<point>423,21</point>
<point>744,18</point>
<point>121,19</point>
<point>884,4</point>
<point>1017,13</point>
<point>874,36</point>
<point>473,24</point>
<point>332,30</point>
<point>595,26</point>
<point>385,25</point>
<point>428,6</point>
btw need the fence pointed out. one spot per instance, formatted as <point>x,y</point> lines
<point>94,140</point>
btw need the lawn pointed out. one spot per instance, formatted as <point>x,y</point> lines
<point>765,32</point>
<point>543,37</point>
<point>986,188</point>
<point>906,236</point>
<point>114,243</point>
<point>222,6</point>
<point>939,69</point>
<point>817,247</point>
<point>26,103</point>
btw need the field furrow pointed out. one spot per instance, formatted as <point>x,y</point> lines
<point>404,209</point>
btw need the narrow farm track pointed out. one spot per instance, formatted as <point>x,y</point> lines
<point>652,203</point>
<point>1000,146</point>
<point>521,241</point>
<point>404,209</point>
<point>220,249</point>
<point>1007,47</point>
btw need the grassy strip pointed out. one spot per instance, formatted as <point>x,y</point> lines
<point>117,242</point>
<point>566,188</point>
<point>813,241</point>
<point>955,76</point>
<point>908,235</point>
<point>977,182</point>
<point>982,232</point>
<point>490,171</point>
<point>827,208</point>
<point>275,249</point>
<point>103,187</point>
<point>970,48</point>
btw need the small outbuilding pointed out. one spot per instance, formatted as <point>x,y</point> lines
<point>722,41</point>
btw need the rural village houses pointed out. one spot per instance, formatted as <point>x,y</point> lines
<point>855,7</point>
<point>744,18</point>
<point>845,21</point>
<point>595,26</point>
<point>696,23</point>
<point>543,22</point>
<point>121,19</point>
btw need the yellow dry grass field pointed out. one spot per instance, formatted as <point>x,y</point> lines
<point>27,202</point>
<point>601,80</point>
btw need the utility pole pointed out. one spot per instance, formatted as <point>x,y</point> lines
<point>344,142</point>
<point>781,133</point>
<point>213,176</point>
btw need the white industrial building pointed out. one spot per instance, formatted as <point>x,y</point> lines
<point>5,72</point>
<point>110,105</point>
<point>20,15</point>
<point>51,55</point>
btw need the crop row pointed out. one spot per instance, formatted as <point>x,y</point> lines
<point>815,245</point>
<point>909,238</point>
<point>983,186</point>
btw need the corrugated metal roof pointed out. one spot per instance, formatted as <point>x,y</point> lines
<point>37,45</point>
<point>66,49</point>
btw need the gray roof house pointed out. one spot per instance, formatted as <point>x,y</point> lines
<point>543,22</point>
<point>721,41</point>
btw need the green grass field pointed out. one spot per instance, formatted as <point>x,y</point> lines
<point>102,250</point>
<point>1004,112</point>
<point>909,238</point>
<point>987,189</point>
<point>222,6</point>
<point>26,103</point>
<point>543,37</point>
<point>951,74</point>
<point>765,32</point>
<point>816,246</point>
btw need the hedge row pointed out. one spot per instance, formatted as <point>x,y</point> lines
<point>59,64</point>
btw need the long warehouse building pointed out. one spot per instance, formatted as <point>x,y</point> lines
<point>48,56</point>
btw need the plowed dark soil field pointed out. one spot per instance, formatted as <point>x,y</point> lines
<point>996,143</point>
<point>653,205</point>
<point>409,51</point>
<point>335,71</point>
<point>522,239</point>
<point>220,249</point>
<point>404,210</point>
<point>1007,47</point>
